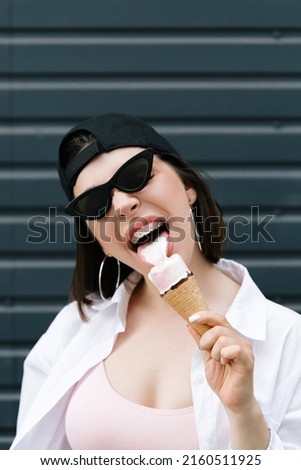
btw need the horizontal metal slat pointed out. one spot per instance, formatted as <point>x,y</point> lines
<point>5,62</point>
<point>5,442</point>
<point>175,14</point>
<point>224,143</point>
<point>246,188</point>
<point>37,234</point>
<point>8,410</point>
<point>25,323</point>
<point>150,55</point>
<point>5,17</point>
<point>30,144</point>
<point>35,279</point>
<point>193,99</point>
<point>277,278</point>
<point>262,232</point>
<point>5,103</point>
<point>237,144</point>
<point>11,367</point>
<point>36,188</point>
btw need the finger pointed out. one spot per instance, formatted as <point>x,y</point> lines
<point>221,343</point>
<point>218,333</point>
<point>210,336</point>
<point>209,318</point>
<point>196,336</point>
<point>238,354</point>
<point>230,353</point>
<point>212,345</point>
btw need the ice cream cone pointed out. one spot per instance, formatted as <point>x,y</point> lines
<point>186,299</point>
<point>174,280</point>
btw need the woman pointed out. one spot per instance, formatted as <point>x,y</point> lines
<point>117,369</point>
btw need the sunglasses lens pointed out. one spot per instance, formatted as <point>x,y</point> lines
<point>93,204</point>
<point>134,176</point>
<point>130,178</point>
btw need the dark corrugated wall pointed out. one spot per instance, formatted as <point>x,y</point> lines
<point>221,80</point>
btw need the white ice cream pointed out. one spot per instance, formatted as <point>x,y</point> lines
<point>154,252</point>
<point>166,271</point>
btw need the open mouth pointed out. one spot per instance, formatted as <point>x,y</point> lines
<point>148,234</point>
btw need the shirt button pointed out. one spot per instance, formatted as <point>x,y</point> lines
<point>199,379</point>
<point>209,443</point>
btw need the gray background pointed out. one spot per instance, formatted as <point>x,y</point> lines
<point>220,79</point>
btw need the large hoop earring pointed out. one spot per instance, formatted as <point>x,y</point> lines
<point>100,275</point>
<point>197,237</point>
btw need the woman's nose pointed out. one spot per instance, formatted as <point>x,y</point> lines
<point>123,203</point>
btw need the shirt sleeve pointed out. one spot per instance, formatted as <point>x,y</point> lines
<point>275,441</point>
<point>285,429</point>
<point>281,404</point>
<point>39,363</point>
<point>35,371</point>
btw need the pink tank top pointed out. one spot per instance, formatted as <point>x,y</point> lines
<point>97,417</point>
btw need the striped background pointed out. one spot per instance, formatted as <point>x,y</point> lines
<point>221,80</point>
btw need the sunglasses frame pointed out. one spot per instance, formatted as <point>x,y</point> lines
<point>147,154</point>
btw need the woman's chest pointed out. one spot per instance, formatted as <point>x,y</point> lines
<point>150,365</point>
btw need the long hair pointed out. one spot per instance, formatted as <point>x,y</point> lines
<point>208,222</point>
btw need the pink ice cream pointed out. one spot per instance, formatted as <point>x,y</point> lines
<point>166,271</point>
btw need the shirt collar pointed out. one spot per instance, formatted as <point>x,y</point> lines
<point>247,313</point>
<point>120,298</point>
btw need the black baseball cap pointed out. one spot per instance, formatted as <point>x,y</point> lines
<point>111,131</point>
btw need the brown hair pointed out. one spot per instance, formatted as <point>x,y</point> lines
<point>89,254</point>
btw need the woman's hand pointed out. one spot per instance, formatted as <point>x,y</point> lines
<point>229,366</point>
<point>228,359</point>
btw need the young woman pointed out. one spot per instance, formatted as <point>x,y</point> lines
<point>118,368</point>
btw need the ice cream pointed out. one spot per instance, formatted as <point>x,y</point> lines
<point>174,281</point>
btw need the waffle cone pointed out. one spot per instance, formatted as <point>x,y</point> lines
<point>186,299</point>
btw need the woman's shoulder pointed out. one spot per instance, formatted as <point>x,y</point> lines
<point>283,315</point>
<point>64,327</point>
<point>68,321</point>
<point>284,325</point>
<point>67,317</point>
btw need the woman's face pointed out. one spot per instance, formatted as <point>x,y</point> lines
<point>163,202</point>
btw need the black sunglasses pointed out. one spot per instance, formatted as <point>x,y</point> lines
<point>132,176</point>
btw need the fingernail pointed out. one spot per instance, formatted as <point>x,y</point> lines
<point>194,317</point>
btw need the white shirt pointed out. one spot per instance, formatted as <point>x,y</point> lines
<point>70,347</point>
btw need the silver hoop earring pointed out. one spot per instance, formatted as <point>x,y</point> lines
<point>100,275</point>
<point>195,229</point>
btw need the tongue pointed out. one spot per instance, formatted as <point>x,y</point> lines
<point>154,252</point>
